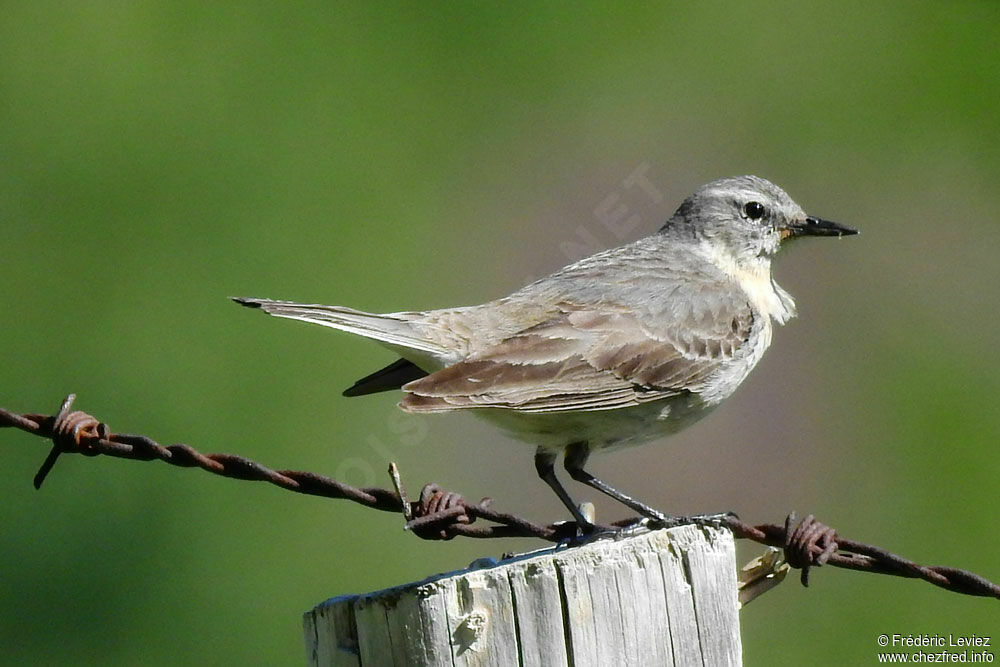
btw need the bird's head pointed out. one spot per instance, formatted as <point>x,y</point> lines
<point>747,217</point>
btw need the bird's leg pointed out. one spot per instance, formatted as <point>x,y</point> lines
<point>576,457</point>
<point>545,465</point>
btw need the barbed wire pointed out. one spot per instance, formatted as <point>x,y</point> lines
<point>441,515</point>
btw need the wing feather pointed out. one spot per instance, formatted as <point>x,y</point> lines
<point>590,358</point>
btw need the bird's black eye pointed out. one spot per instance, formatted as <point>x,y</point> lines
<point>754,210</point>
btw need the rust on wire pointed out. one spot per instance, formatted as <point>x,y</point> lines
<point>442,515</point>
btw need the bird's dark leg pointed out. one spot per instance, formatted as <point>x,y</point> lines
<point>545,465</point>
<point>576,458</point>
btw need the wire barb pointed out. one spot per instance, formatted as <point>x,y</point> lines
<point>71,431</point>
<point>443,515</point>
<point>807,544</point>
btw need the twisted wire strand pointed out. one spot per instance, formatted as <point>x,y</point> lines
<point>439,514</point>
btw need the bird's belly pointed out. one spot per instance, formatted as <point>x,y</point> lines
<point>601,429</point>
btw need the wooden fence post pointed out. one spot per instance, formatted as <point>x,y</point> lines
<point>666,597</point>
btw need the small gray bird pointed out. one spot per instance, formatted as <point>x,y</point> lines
<point>623,347</point>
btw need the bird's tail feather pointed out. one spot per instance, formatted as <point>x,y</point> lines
<point>397,330</point>
<point>393,376</point>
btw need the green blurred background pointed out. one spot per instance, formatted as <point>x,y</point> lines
<point>158,157</point>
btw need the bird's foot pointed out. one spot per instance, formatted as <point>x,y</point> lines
<point>714,520</point>
<point>717,520</point>
<point>659,520</point>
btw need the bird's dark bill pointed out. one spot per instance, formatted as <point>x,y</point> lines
<point>817,227</point>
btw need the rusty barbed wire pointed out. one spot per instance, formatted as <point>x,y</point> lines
<point>443,515</point>
<point>75,432</point>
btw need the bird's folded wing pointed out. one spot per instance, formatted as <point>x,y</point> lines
<point>590,359</point>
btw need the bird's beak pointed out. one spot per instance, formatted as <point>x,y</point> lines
<point>816,227</point>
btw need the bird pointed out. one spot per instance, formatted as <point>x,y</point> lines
<point>622,348</point>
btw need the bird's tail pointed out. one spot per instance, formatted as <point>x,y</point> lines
<point>395,330</point>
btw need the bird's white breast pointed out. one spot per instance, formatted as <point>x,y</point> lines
<point>754,277</point>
